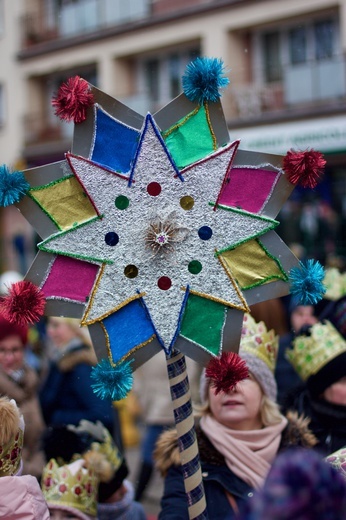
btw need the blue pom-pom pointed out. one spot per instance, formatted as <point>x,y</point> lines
<point>307,282</point>
<point>13,186</point>
<point>203,79</point>
<point>113,382</point>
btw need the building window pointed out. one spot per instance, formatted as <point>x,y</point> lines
<point>272,56</point>
<point>297,45</point>
<point>152,71</point>
<point>324,32</point>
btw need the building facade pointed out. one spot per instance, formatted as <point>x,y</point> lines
<point>286,63</point>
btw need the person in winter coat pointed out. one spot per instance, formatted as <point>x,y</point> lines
<point>20,496</point>
<point>20,382</point>
<point>300,486</point>
<point>239,434</point>
<point>319,357</point>
<point>67,396</point>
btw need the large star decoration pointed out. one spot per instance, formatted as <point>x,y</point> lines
<point>157,232</point>
<point>118,238</point>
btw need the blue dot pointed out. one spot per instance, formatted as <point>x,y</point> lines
<point>205,232</point>
<point>111,238</point>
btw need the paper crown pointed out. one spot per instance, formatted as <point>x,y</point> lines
<point>259,342</point>
<point>335,284</point>
<point>11,439</point>
<point>103,442</point>
<point>310,353</point>
<point>70,486</point>
<point>338,461</point>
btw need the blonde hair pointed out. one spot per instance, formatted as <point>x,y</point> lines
<point>270,411</point>
<point>81,332</point>
<point>9,420</point>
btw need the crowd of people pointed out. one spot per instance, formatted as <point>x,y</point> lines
<point>274,446</point>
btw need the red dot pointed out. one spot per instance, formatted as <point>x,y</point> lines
<point>164,283</point>
<point>154,189</point>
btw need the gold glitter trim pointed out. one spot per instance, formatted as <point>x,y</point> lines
<point>114,309</point>
<point>206,108</point>
<point>219,300</point>
<point>230,276</point>
<point>85,321</point>
<point>179,124</point>
<point>134,349</point>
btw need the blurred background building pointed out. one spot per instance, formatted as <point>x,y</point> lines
<point>286,63</point>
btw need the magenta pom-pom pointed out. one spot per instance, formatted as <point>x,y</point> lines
<point>73,100</point>
<point>226,371</point>
<point>304,168</point>
<point>23,304</point>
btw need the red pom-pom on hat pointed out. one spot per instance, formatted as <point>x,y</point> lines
<point>226,371</point>
<point>73,100</point>
<point>23,304</point>
<point>304,168</point>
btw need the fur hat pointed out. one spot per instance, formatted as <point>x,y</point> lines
<point>11,329</point>
<point>299,486</point>
<point>65,443</point>
<point>258,347</point>
<point>11,438</point>
<point>319,356</point>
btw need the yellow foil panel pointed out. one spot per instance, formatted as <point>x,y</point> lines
<point>251,265</point>
<point>65,202</point>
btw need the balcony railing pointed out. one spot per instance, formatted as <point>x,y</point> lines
<point>310,85</point>
<point>76,19</point>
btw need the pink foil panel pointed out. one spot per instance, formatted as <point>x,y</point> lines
<point>70,278</point>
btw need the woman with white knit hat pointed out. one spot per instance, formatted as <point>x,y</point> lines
<point>240,430</point>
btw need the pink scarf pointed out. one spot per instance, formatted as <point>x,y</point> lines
<point>248,453</point>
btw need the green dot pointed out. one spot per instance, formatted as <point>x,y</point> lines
<point>195,267</point>
<point>122,202</point>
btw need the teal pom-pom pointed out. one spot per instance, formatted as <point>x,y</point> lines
<point>307,282</point>
<point>203,79</point>
<point>112,382</point>
<point>13,186</point>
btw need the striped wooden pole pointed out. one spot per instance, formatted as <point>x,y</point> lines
<point>187,440</point>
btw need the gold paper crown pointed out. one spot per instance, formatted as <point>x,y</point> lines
<point>258,341</point>
<point>310,353</point>
<point>71,485</point>
<point>11,455</point>
<point>109,450</point>
<point>335,284</point>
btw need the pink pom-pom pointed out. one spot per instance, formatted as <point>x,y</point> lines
<point>73,100</point>
<point>23,304</point>
<point>304,168</point>
<point>226,371</point>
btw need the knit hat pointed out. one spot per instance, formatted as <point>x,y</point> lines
<point>11,329</point>
<point>11,438</point>
<point>66,442</point>
<point>319,357</point>
<point>299,486</point>
<point>71,487</point>
<point>258,347</point>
